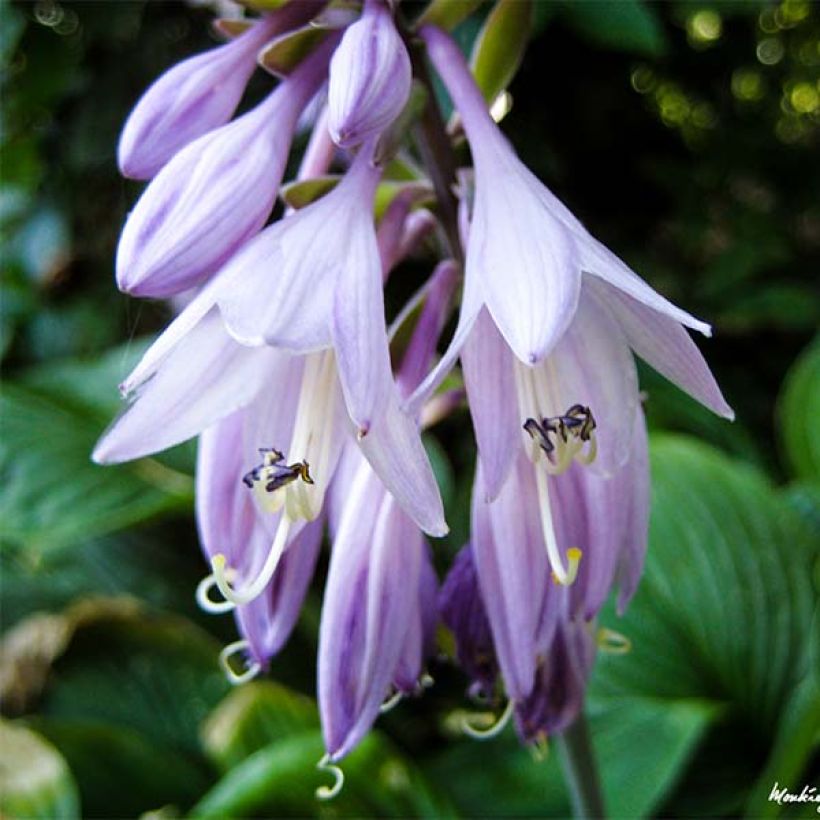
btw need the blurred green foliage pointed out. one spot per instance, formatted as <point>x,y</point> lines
<point>685,136</point>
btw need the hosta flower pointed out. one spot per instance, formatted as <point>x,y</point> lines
<point>369,77</point>
<point>527,255</point>
<point>230,523</point>
<point>197,95</point>
<point>215,194</point>
<point>372,632</point>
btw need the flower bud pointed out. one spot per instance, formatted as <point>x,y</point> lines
<point>370,77</point>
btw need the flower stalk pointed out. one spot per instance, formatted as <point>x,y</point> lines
<point>580,770</point>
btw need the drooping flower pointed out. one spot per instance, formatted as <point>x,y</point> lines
<point>230,523</point>
<point>370,77</point>
<point>198,94</point>
<point>527,256</point>
<point>216,193</point>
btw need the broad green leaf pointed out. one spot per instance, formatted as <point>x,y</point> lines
<point>628,25</point>
<point>500,47</point>
<point>799,414</point>
<point>725,609</point>
<point>35,781</point>
<point>52,495</point>
<point>641,745</point>
<point>120,772</point>
<point>281,780</point>
<point>251,717</point>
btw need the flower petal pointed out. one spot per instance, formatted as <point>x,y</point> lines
<point>664,345</point>
<point>487,364</point>
<point>206,377</point>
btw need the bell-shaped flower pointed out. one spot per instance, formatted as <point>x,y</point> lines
<point>371,614</point>
<point>557,697</point>
<point>215,194</point>
<point>231,524</point>
<point>529,258</point>
<point>462,610</point>
<point>370,77</point>
<point>197,95</point>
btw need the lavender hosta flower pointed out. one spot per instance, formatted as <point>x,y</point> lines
<point>197,95</point>
<point>230,523</point>
<point>528,258</point>
<point>215,194</point>
<point>370,77</point>
<point>372,628</point>
<point>557,697</point>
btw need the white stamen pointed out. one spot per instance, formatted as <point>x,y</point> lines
<point>563,575</point>
<point>236,678</point>
<point>206,603</point>
<point>329,792</point>
<point>257,586</point>
<point>392,702</point>
<point>494,730</point>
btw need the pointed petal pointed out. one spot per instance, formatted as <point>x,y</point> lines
<point>512,573</point>
<point>663,344</point>
<point>487,364</point>
<point>207,377</point>
<point>394,449</point>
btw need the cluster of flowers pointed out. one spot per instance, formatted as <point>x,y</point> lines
<point>280,362</point>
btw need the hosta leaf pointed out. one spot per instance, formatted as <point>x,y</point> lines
<point>799,414</point>
<point>628,25</point>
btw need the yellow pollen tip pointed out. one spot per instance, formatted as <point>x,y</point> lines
<point>218,561</point>
<point>612,642</point>
<point>573,562</point>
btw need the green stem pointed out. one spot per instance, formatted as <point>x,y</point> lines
<point>580,770</point>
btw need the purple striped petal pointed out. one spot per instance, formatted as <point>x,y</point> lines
<point>663,344</point>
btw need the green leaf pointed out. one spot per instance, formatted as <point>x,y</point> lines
<point>286,52</point>
<point>52,495</point>
<point>35,781</point>
<point>267,740</point>
<point>120,772</point>
<point>628,25</point>
<point>641,745</point>
<point>799,414</point>
<point>500,47</point>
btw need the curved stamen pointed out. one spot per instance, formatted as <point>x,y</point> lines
<point>540,747</point>
<point>612,642</point>
<point>426,680</point>
<point>329,792</point>
<point>257,586</point>
<point>563,575</point>
<point>236,678</point>
<point>480,733</point>
<point>392,702</point>
<point>206,603</point>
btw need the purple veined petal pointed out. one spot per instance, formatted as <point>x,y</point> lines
<point>394,449</point>
<point>593,366</point>
<point>372,588</point>
<point>471,303</point>
<point>636,531</point>
<point>211,198</point>
<point>267,621</point>
<point>526,259</point>
<point>206,377</point>
<point>558,696</point>
<point>280,288</point>
<point>419,353</point>
<point>197,95</point>
<point>358,328</point>
<point>370,77</point>
<point>663,344</point>
<point>512,571</point>
<point>597,260</point>
<point>462,609</point>
<point>487,365</point>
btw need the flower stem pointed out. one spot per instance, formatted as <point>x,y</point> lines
<point>580,770</point>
